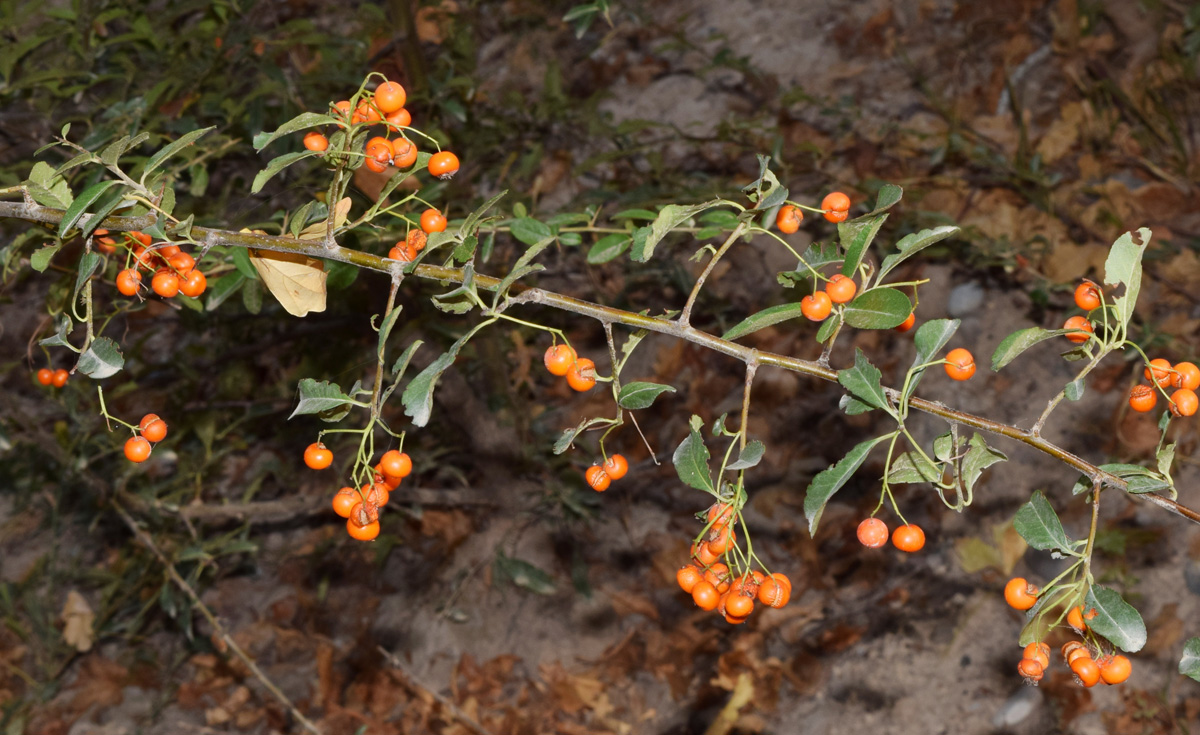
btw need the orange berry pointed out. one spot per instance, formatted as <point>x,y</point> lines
<point>616,466</point>
<point>416,240</point>
<point>582,375</point>
<point>376,165</point>
<point>443,165</point>
<point>395,463</point>
<point>314,141</point>
<point>390,97</point>
<point>597,479</point>
<point>1039,652</point>
<point>1020,594</point>
<point>558,358</point>
<point>841,289</point>
<point>908,323</point>
<point>704,554</point>
<point>687,577</point>
<point>376,494</point>
<point>45,376</point>
<point>720,514</point>
<point>835,201</point>
<point>789,218</point>
<point>1142,398</point>
<point>1082,329</point>
<point>739,606</point>
<point>1087,672</point>
<point>1076,618</point>
<point>128,281</point>
<point>182,263</point>
<point>908,538</point>
<point>1187,375</point>
<point>369,532</point>
<point>166,252</point>
<point>345,500</point>
<point>1031,669</point>
<point>1087,296</point>
<point>317,456</point>
<point>1114,669</point>
<point>194,285</point>
<point>59,378</point>
<point>705,595</point>
<point>1081,652</point>
<point>432,221</point>
<point>960,365</point>
<point>398,119</point>
<point>773,592</point>
<point>165,284</point>
<point>137,449</point>
<point>366,112</point>
<point>816,306</point>
<point>717,575</point>
<point>403,252</point>
<point>720,539</point>
<point>406,153</point>
<point>1069,647</point>
<point>378,144</point>
<point>142,238</point>
<point>1161,369</point>
<point>1183,402</point>
<point>153,428</point>
<point>872,533</point>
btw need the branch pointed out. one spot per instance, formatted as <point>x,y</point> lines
<point>609,315</point>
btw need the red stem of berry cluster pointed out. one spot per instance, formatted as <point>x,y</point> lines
<point>607,315</point>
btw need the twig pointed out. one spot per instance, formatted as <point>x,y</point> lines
<point>182,584</point>
<point>415,684</point>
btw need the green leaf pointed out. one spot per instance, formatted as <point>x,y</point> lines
<point>530,231</point>
<point>878,308</point>
<point>1166,457</point>
<point>113,151</point>
<point>1189,663</point>
<point>1039,525</point>
<point>275,166</point>
<point>470,225</point>
<point>855,237</point>
<point>635,396</point>
<point>607,248</point>
<point>748,457</point>
<point>567,438</point>
<point>220,289</point>
<point>819,255</point>
<point>979,457</point>
<point>643,214</point>
<point>87,266</point>
<point>1115,619</point>
<point>929,340</point>
<point>317,397</point>
<point>829,326</point>
<point>40,260</point>
<point>54,190</point>
<point>1124,266</point>
<point>102,359</point>
<point>852,406</point>
<point>525,575</point>
<point>912,244</point>
<point>80,205</point>
<point>104,207</point>
<point>765,318</point>
<point>59,338</point>
<point>829,481</point>
<point>385,327</point>
<point>691,459</point>
<point>1017,342</point>
<point>521,269</point>
<point>670,217</point>
<point>462,299</point>
<point>401,365</point>
<point>889,196</point>
<point>175,147</point>
<point>863,381</point>
<point>912,467</point>
<point>418,394</point>
<point>302,121</point>
<point>1074,390</point>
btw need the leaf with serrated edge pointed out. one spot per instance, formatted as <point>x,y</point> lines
<point>829,481</point>
<point>635,396</point>
<point>979,457</point>
<point>763,319</point>
<point>1016,343</point>
<point>316,397</point>
<point>40,260</point>
<point>878,308</point>
<point>863,381</point>
<point>929,340</point>
<point>912,467</point>
<point>912,244</point>
<point>1124,266</point>
<point>1189,662</point>
<point>691,459</point>
<point>670,217</point>
<point>1115,619</point>
<point>418,394</point>
<point>1038,524</point>
<point>748,457</point>
<point>102,359</point>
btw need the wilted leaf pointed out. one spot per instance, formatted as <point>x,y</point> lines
<point>296,280</point>
<point>78,618</point>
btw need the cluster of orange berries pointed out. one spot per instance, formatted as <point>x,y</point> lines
<point>407,249</point>
<point>873,533</point>
<point>580,372</point>
<point>1020,594</point>
<point>835,207</point>
<point>57,378</point>
<point>713,586</point>
<point>360,507</point>
<point>151,430</point>
<point>600,475</point>
<point>385,106</point>
<point>1183,376</point>
<point>175,271</point>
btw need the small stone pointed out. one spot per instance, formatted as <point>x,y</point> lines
<point>1018,707</point>
<point>965,298</point>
